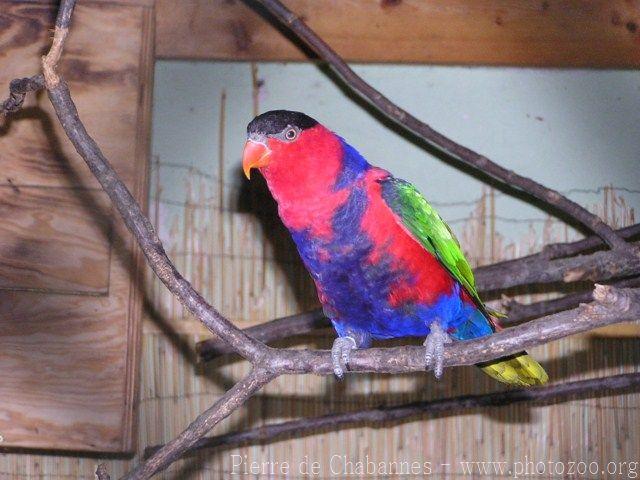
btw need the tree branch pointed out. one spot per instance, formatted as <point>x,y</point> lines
<point>305,323</point>
<point>597,267</point>
<point>51,59</point>
<point>18,90</point>
<point>610,306</point>
<point>277,329</point>
<point>558,250</point>
<point>102,473</point>
<point>551,198</point>
<point>230,401</point>
<point>380,415</point>
<point>521,312</point>
<point>140,225</point>
<point>19,87</point>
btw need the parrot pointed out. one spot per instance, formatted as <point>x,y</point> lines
<point>384,263</point>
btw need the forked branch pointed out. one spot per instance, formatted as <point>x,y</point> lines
<point>610,306</point>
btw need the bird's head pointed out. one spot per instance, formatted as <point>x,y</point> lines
<point>286,143</point>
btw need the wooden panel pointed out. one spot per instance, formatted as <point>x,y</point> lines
<point>70,361</point>
<point>50,241</point>
<point>63,370</point>
<point>562,33</point>
<point>34,149</point>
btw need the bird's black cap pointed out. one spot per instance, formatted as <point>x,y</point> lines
<point>276,121</point>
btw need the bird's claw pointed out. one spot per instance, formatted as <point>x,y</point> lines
<point>341,353</point>
<point>435,342</point>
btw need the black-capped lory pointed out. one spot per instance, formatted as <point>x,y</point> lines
<point>384,263</point>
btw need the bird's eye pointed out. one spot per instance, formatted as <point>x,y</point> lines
<point>291,134</point>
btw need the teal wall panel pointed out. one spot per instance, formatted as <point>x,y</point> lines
<point>575,131</point>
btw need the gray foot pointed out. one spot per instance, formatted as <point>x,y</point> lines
<point>341,353</point>
<point>435,343</point>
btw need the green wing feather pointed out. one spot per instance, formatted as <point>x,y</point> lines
<point>426,226</point>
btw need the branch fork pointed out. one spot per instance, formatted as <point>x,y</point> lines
<point>51,59</point>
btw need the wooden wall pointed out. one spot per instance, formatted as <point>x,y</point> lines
<point>70,304</point>
<point>550,33</point>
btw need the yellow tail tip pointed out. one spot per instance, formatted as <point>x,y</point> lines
<point>519,369</point>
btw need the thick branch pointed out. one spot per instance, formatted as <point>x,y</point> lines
<point>379,416</point>
<point>521,312</point>
<point>610,306</point>
<point>230,401</point>
<point>304,323</point>
<point>597,267</point>
<point>477,162</point>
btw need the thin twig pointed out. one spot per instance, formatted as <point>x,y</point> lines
<point>102,473</point>
<point>558,250</point>
<point>18,90</point>
<point>551,198</point>
<point>379,416</point>
<point>229,402</point>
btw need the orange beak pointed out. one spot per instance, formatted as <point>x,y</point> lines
<point>255,155</point>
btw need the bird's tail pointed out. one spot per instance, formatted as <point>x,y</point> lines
<point>518,369</point>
